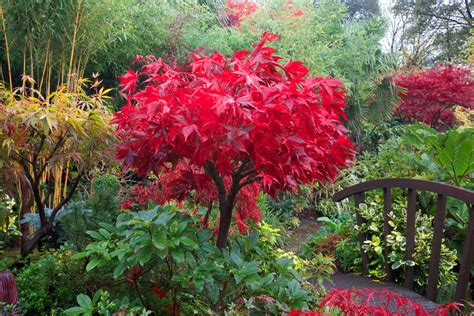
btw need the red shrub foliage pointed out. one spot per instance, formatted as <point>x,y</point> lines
<point>222,124</point>
<point>361,302</point>
<point>8,289</point>
<point>237,10</point>
<point>430,95</point>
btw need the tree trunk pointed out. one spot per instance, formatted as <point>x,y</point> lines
<point>29,245</point>
<point>27,202</point>
<point>224,225</point>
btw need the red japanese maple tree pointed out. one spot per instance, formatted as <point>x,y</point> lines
<point>232,126</point>
<point>430,95</point>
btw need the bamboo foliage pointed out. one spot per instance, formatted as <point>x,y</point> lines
<point>54,39</point>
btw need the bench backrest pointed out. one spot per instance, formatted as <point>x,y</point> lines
<point>413,185</point>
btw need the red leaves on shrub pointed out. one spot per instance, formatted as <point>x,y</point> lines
<point>371,302</point>
<point>237,10</point>
<point>303,313</point>
<point>8,289</point>
<point>430,95</point>
<point>352,302</point>
<point>159,293</point>
<point>133,275</point>
<point>126,205</point>
<point>252,112</point>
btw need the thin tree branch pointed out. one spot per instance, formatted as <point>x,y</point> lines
<point>248,181</point>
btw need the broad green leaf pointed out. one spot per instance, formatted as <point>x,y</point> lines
<point>84,300</point>
<point>93,263</point>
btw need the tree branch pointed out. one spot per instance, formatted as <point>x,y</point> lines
<point>440,17</point>
<point>248,181</point>
<point>241,167</point>
<point>39,148</point>
<point>468,9</point>
<point>68,196</point>
<point>214,174</point>
<point>58,145</point>
<point>36,193</point>
<point>247,173</point>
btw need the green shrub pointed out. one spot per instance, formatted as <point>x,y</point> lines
<point>372,212</point>
<point>103,200</point>
<point>163,251</point>
<point>328,236</point>
<point>50,283</point>
<point>74,221</point>
<point>6,263</point>
<point>100,304</point>
<point>79,216</point>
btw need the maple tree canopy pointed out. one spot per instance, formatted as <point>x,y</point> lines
<point>248,119</point>
<point>430,95</point>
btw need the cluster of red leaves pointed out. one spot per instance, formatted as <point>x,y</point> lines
<point>16,133</point>
<point>223,111</point>
<point>430,95</point>
<point>377,302</point>
<point>237,10</point>
<point>133,275</point>
<point>182,182</point>
<point>160,293</point>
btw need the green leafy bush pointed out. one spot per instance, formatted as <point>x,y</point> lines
<point>452,152</point>
<point>103,201</point>
<point>8,219</point>
<point>80,216</point>
<point>167,260</point>
<point>50,282</point>
<point>100,304</point>
<point>372,212</point>
<point>74,221</point>
<point>327,239</point>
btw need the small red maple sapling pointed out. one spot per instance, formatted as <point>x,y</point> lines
<point>232,126</point>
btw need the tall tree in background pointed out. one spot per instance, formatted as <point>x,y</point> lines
<point>431,31</point>
<point>362,9</point>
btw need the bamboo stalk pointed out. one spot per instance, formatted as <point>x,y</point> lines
<point>66,179</point>
<point>23,82</point>
<point>7,48</point>
<point>32,71</point>
<point>45,65</point>
<point>48,82</point>
<point>73,44</point>
<point>63,66</point>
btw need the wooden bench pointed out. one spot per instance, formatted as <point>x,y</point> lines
<point>413,185</point>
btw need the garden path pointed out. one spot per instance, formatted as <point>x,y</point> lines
<point>308,226</point>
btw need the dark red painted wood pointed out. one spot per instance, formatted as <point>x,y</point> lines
<point>467,259</point>
<point>443,190</point>
<point>387,229</point>
<point>438,231</point>
<point>417,184</point>
<point>410,238</point>
<point>358,199</point>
